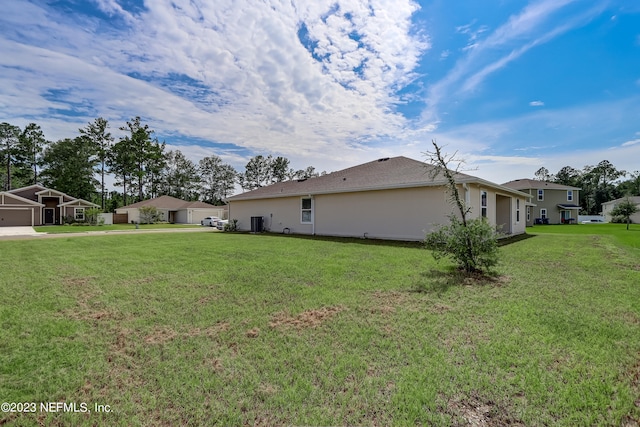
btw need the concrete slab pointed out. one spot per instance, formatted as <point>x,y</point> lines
<point>18,231</point>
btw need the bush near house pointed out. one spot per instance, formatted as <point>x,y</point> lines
<point>149,214</point>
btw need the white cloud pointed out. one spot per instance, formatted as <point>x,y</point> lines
<point>222,72</point>
<point>632,142</point>
<point>536,103</point>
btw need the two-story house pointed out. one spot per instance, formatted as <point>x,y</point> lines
<point>551,203</point>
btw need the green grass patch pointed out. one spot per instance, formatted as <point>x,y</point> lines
<point>236,329</point>
<point>81,228</point>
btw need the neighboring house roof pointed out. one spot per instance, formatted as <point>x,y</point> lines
<point>381,174</point>
<point>172,204</point>
<point>633,199</point>
<point>526,184</point>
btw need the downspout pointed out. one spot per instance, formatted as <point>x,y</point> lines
<point>313,215</point>
<point>467,199</point>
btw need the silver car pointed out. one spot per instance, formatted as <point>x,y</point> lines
<point>221,223</point>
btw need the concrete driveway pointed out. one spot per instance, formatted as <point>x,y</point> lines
<point>18,231</point>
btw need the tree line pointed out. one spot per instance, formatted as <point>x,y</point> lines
<point>139,162</point>
<point>598,184</point>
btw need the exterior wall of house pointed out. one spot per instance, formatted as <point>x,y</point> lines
<point>29,193</point>
<point>552,198</point>
<point>609,206</point>
<point>397,214</point>
<point>278,214</point>
<point>400,214</point>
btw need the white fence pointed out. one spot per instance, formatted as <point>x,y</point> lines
<point>591,218</point>
<point>108,218</point>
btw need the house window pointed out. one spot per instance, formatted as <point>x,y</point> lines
<point>483,203</point>
<point>569,195</point>
<point>79,214</point>
<point>517,210</point>
<point>528,213</point>
<point>543,213</point>
<point>540,195</point>
<point>306,211</point>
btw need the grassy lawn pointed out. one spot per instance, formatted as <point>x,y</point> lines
<point>57,229</point>
<point>236,329</point>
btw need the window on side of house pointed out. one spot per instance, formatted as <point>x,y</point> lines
<point>517,210</point>
<point>79,214</point>
<point>483,203</point>
<point>306,211</point>
<point>540,195</point>
<point>569,195</point>
<point>528,213</point>
<point>543,213</point>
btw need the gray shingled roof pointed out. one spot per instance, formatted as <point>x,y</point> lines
<point>534,184</point>
<point>171,203</point>
<point>633,199</point>
<point>395,172</point>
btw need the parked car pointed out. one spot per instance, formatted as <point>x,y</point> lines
<point>209,221</point>
<point>221,223</point>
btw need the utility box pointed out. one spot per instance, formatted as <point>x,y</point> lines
<point>256,224</point>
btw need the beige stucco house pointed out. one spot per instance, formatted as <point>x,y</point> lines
<point>609,206</point>
<point>38,205</point>
<point>551,203</point>
<point>175,210</point>
<point>391,198</point>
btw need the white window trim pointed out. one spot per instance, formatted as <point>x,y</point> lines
<point>545,213</point>
<point>75,214</point>
<point>540,193</point>
<point>517,211</point>
<point>303,210</point>
<point>484,208</point>
<point>569,198</point>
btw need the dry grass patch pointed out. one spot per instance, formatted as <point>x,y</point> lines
<point>306,319</point>
<point>473,411</point>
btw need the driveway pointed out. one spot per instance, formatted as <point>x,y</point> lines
<point>18,231</point>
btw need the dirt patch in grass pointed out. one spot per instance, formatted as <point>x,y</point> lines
<point>88,307</point>
<point>306,319</point>
<point>438,308</point>
<point>477,412</point>
<point>161,336</point>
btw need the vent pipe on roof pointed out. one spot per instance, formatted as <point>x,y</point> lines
<point>384,159</point>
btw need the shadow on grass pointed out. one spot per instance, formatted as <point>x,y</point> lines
<point>514,239</point>
<point>438,281</point>
<point>343,240</point>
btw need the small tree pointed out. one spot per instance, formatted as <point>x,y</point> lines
<point>624,210</point>
<point>149,214</point>
<point>92,216</point>
<point>470,243</point>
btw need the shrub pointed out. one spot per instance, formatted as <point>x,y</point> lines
<point>232,225</point>
<point>473,247</point>
<point>91,216</point>
<point>149,215</point>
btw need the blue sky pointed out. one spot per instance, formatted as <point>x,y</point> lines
<point>511,85</point>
